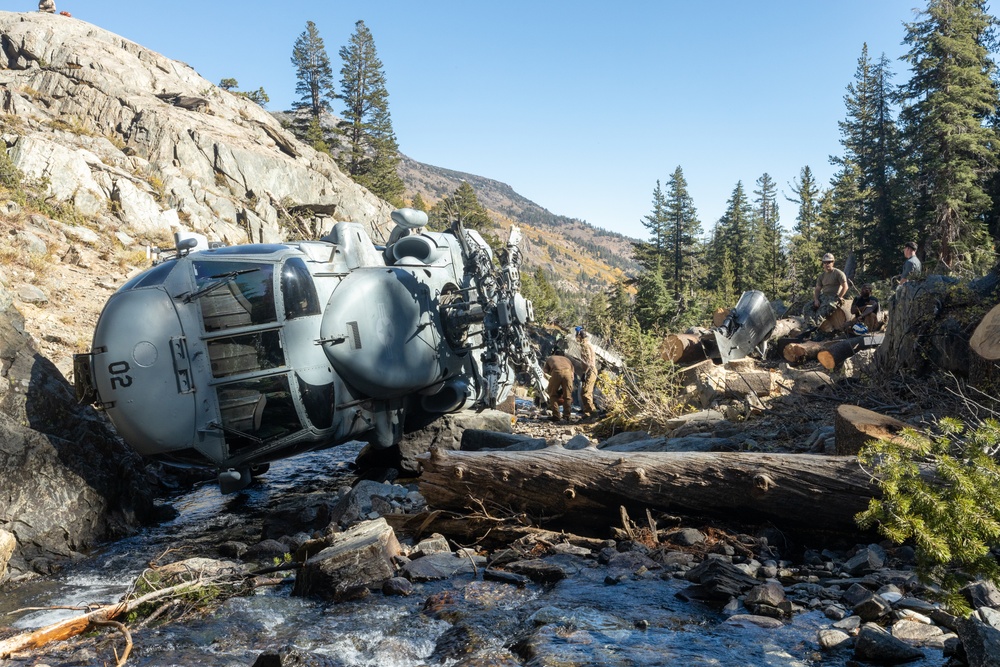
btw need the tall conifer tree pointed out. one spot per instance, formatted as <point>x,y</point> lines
<point>772,275</point>
<point>949,98</point>
<point>314,85</point>
<point>683,230</point>
<point>371,155</point>
<point>650,253</point>
<point>804,249</point>
<point>734,237</point>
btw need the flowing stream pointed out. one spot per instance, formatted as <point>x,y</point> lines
<point>579,621</point>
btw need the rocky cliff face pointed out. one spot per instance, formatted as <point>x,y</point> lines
<point>132,137</point>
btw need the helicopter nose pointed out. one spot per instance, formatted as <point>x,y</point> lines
<point>142,372</point>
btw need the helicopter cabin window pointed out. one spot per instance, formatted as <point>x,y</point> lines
<point>234,294</point>
<point>257,411</point>
<point>150,277</point>
<point>235,355</point>
<point>298,290</point>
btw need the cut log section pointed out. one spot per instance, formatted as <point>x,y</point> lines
<point>583,488</point>
<point>719,316</point>
<point>854,426</point>
<point>984,364</point>
<point>834,355</point>
<point>682,348</point>
<point>796,353</point>
<point>837,320</point>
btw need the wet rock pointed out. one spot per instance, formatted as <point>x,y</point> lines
<point>232,549</point>
<point>915,604</point>
<point>265,550</point>
<point>918,634</point>
<point>675,560</point>
<point>872,608</point>
<point>299,513</point>
<point>768,599</point>
<point>192,569</point>
<point>538,570</point>
<point>850,624</point>
<point>830,640</point>
<point>855,595</point>
<point>744,620</point>
<point>400,586</point>
<point>358,504</point>
<point>632,562</point>
<point>981,642</point>
<point>457,642</point>
<point>718,580</point>
<point>874,644</point>
<point>572,550</point>
<point>294,657</point>
<point>981,594</point>
<point>361,556</point>
<point>835,612</point>
<point>442,565</point>
<point>519,580</point>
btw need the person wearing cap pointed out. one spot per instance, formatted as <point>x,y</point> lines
<point>912,266</point>
<point>559,368</point>
<point>865,308</point>
<point>828,295</point>
<point>588,358</point>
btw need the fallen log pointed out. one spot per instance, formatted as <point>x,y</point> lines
<point>583,488</point>
<point>796,353</point>
<point>838,319</point>
<point>682,348</point>
<point>836,354</point>
<point>787,326</point>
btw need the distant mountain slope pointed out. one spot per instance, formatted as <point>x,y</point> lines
<point>609,253</point>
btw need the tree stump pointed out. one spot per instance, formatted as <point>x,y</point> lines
<point>744,383</point>
<point>984,364</point>
<point>854,426</point>
<point>682,348</point>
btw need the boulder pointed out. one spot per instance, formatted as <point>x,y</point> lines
<point>441,565</point>
<point>980,641</point>
<point>7,545</point>
<point>874,644</point>
<point>360,503</point>
<point>357,558</point>
<point>68,480</point>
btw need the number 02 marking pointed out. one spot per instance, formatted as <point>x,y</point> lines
<point>119,377</point>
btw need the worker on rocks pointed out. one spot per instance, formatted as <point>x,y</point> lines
<point>48,6</point>
<point>559,368</point>
<point>589,379</point>
<point>828,295</point>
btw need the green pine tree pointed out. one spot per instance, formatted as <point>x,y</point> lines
<point>804,249</point>
<point>371,154</point>
<point>772,277</point>
<point>461,205</point>
<point>683,229</point>
<point>735,236</point>
<point>653,301</point>
<point>418,203</point>
<point>650,253</point>
<point>314,82</point>
<point>947,102</point>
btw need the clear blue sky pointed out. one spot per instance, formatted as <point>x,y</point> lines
<point>580,106</point>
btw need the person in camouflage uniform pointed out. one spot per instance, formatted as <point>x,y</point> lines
<point>828,295</point>
<point>589,379</point>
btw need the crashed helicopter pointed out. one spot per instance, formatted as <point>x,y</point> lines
<point>236,356</point>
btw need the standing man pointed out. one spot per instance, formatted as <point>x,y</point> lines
<point>912,266</point>
<point>587,407</point>
<point>828,295</point>
<point>560,389</point>
<point>47,6</point>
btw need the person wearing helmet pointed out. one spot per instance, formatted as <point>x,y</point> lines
<point>828,295</point>
<point>865,308</point>
<point>589,360</point>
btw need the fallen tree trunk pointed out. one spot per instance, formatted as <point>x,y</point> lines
<point>581,488</point>
<point>836,354</point>
<point>854,426</point>
<point>787,326</point>
<point>682,348</point>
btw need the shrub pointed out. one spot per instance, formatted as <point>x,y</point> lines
<point>942,491</point>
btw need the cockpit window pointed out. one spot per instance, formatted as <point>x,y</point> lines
<point>244,295</point>
<point>153,276</point>
<point>235,355</point>
<point>298,290</point>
